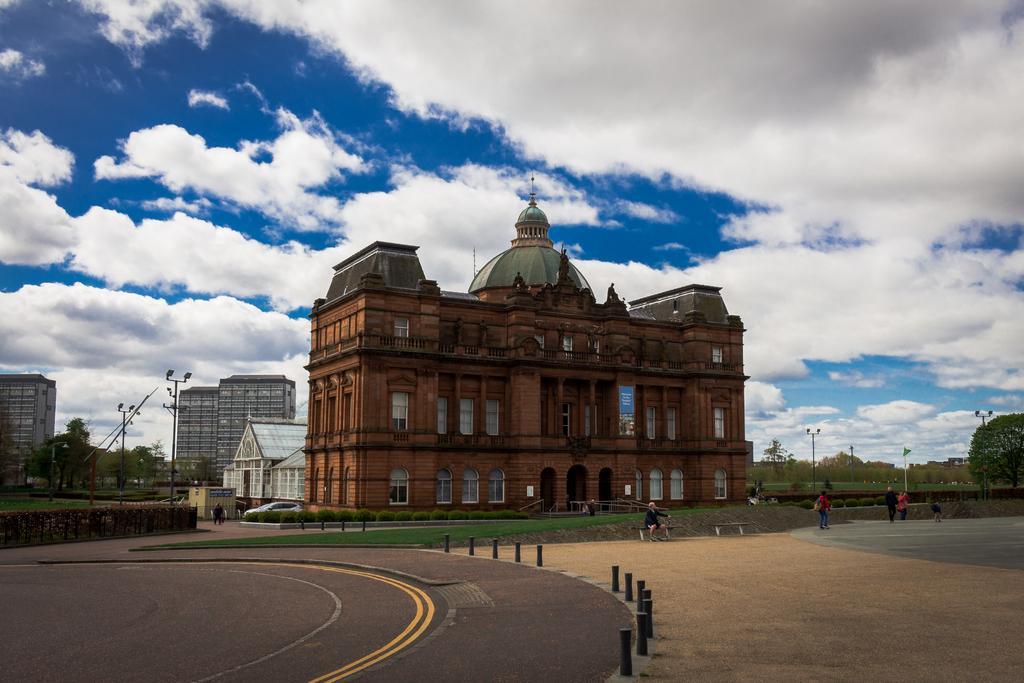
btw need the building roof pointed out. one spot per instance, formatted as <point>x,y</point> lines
<point>676,303</point>
<point>294,461</point>
<point>256,379</point>
<point>536,264</point>
<point>397,264</point>
<point>28,378</point>
<point>278,440</point>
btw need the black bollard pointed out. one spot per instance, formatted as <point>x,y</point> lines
<point>640,583</point>
<point>494,548</point>
<point>518,555</point>
<point>302,524</point>
<point>472,546</point>
<point>447,542</point>
<point>625,656</point>
<point>323,525</point>
<point>629,587</point>
<point>540,556</point>
<point>649,628</point>
<point>364,525</point>
<point>342,525</point>
<point>641,634</point>
<point>615,578</point>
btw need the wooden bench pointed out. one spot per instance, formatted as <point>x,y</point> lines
<point>718,527</point>
<point>642,529</point>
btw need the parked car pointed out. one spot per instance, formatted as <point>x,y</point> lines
<point>276,507</point>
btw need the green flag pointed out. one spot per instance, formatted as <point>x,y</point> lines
<point>905,451</point>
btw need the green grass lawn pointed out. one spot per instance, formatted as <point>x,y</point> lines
<point>11,504</point>
<point>433,536</point>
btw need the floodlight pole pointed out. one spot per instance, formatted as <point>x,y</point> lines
<point>814,479</point>
<point>984,467</point>
<point>851,464</point>
<point>53,458</point>
<point>124,423</point>
<point>173,407</point>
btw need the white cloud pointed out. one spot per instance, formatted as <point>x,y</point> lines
<point>856,378</point>
<point>134,25</point>
<point>201,257</point>
<point>34,230</point>
<point>18,66</point>
<point>899,412</point>
<point>170,205</point>
<point>670,246</point>
<point>104,347</point>
<point>306,156</point>
<point>199,98</point>
<point>1012,401</point>
<point>763,398</point>
<point>646,212</point>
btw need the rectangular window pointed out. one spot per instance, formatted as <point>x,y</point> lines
<point>492,417</point>
<point>566,419</point>
<point>442,415</point>
<point>716,354</point>
<point>399,411</point>
<point>567,343</point>
<point>401,327</point>
<point>466,416</point>
<point>651,422</point>
<point>586,420</point>
<point>719,423</point>
<point>670,423</point>
<point>444,489</point>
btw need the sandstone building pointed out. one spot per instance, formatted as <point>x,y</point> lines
<point>524,391</point>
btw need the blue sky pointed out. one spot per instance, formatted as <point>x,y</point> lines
<point>176,174</point>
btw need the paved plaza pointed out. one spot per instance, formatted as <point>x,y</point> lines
<point>918,601</point>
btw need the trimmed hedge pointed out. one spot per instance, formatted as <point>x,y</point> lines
<point>457,514</point>
<point>307,516</point>
<point>345,516</point>
<point>880,500</point>
<point>289,517</point>
<point>385,516</point>
<point>806,504</point>
<point>868,502</point>
<point>364,516</point>
<point>838,503</point>
<point>421,516</point>
<point>439,514</point>
<point>403,516</point>
<point>326,516</point>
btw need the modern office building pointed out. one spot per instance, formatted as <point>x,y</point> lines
<point>212,419</point>
<point>523,392</point>
<point>28,406</point>
<point>197,423</point>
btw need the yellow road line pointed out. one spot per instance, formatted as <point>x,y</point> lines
<point>419,623</point>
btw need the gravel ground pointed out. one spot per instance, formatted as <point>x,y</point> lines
<point>771,607</point>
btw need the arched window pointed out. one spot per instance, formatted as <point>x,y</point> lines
<point>496,486</point>
<point>470,482</point>
<point>638,489</point>
<point>399,487</point>
<point>328,485</point>
<point>313,485</point>
<point>344,485</point>
<point>656,484</point>
<point>720,491</point>
<point>444,486</point>
<point>676,485</point>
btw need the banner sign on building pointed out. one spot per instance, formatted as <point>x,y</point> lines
<point>627,418</point>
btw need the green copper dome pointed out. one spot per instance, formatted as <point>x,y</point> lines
<point>537,264</point>
<point>532,213</point>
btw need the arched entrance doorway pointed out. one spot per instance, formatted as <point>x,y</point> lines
<point>547,488</point>
<point>576,483</point>
<point>604,485</point>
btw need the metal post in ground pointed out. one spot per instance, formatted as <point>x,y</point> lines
<point>540,555</point>
<point>494,548</point>
<point>447,542</point>
<point>648,607</point>
<point>518,554</point>
<point>625,656</point>
<point>629,587</point>
<point>641,634</point>
<point>615,578</point>
<point>472,546</point>
<point>640,583</point>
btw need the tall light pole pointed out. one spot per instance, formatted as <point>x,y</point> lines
<point>53,457</point>
<point>851,462</point>
<point>814,479</point>
<point>984,466</point>
<point>124,423</point>
<point>173,407</point>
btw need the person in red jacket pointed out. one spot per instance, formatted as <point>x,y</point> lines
<point>903,505</point>
<point>823,506</point>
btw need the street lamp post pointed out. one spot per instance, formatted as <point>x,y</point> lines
<point>851,463</point>
<point>983,414</point>
<point>814,479</point>
<point>173,408</point>
<point>124,423</point>
<point>53,458</point>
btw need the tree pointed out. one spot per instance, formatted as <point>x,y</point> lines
<point>68,462</point>
<point>776,455</point>
<point>998,448</point>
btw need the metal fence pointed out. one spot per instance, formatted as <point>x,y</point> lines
<point>56,526</point>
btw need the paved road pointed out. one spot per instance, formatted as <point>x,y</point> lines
<point>993,542</point>
<point>190,621</point>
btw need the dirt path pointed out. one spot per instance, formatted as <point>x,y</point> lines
<point>773,607</point>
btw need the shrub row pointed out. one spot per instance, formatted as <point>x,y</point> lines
<point>275,517</point>
<point>840,503</point>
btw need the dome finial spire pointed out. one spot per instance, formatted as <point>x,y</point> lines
<point>533,192</point>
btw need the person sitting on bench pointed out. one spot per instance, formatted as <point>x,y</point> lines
<point>652,523</point>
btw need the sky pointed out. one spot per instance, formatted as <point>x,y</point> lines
<point>178,177</point>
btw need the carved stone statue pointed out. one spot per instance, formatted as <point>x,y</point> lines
<point>483,333</point>
<point>563,267</point>
<point>612,296</point>
<point>458,330</point>
<point>519,282</point>
<point>591,340</point>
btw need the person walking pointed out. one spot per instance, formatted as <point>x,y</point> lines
<point>903,505</point>
<point>652,523</point>
<point>823,506</point>
<point>937,511</point>
<point>890,502</point>
<point>218,514</point>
